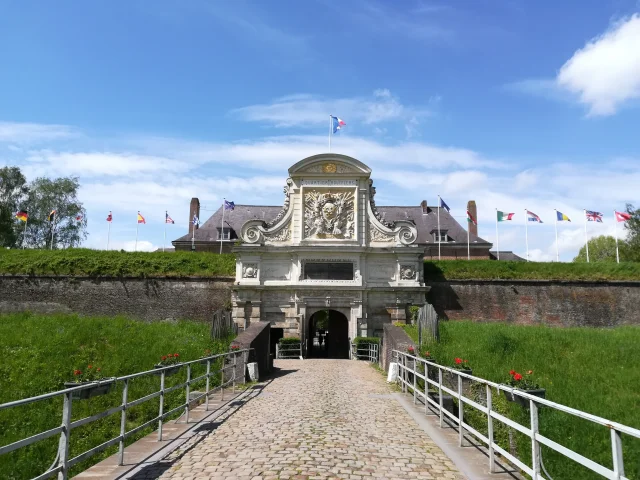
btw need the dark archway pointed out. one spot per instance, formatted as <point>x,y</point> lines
<point>328,335</point>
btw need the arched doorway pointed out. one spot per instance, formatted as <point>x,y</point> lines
<point>328,335</point>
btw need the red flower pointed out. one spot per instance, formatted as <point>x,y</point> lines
<point>466,361</point>
<point>90,366</point>
<point>428,354</point>
<point>512,372</point>
<point>410,349</point>
<point>98,369</point>
<point>176,355</point>
<point>164,357</point>
<point>77,372</point>
<point>517,377</point>
<point>529,372</point>
<point>458,360</point>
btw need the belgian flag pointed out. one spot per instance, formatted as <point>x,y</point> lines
<point>22,215</point>
<point>52,215</point>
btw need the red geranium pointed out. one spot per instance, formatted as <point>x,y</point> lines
<point>512,372</point>
<point>523,382</point>
<point>517,377</point>
<point>458,360</point>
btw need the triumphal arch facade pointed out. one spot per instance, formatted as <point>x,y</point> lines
<point>328,249</point>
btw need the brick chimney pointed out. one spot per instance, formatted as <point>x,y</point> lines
<point>473,210</point>
<point>423,204</point>
<point>194,209</point>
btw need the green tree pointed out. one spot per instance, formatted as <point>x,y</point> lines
<point>70,223</point>
<point>13,190</point>
<point>601,249</point>
<point>631,247</point>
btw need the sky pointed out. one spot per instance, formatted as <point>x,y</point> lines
<point>514,104</point>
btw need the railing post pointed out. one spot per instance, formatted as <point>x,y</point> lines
<point>616,450</point>
<point>535,447</point>
<point>235,366</point>
<point>63,446</point>
<point>492,464</point>
<point>426,387</point>
<point>224,363</point>
<point>186,392</point>
<point>123,421</point>
<point>206,397</point>
<point>277,351</point>
<point>460,412</point>
<point>415,379</point>
<point>440,395</point>
<point>161,410</point>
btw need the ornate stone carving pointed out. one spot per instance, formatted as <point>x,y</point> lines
<point>376,235</point>
<point>329,215</point>
<point>250,270</point>
<point>282,236</point>
<point>329,168</point>
<point>374,209</point>
<point>345,169</point>
<point>285,206</point>
<point>407,272</point>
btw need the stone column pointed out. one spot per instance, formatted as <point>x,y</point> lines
<point>254,315</point>
<point>398,313</point>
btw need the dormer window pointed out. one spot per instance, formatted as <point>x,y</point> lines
<point>224,234</point>
<point>442,238</point>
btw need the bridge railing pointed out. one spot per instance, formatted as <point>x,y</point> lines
<point>63,463</point>
<point>365,351</point>
<point>289,351</point>
<point>412,368</point>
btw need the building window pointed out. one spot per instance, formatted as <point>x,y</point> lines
<point>442,238</point>
<point>224,234</point>
<point>328,271</point>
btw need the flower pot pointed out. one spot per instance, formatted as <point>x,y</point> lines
<point>524,402</point>
<point>169,371</point>
<point>101,387</point>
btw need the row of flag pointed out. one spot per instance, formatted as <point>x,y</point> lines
<point>590,216</point>
<point>23,216</point>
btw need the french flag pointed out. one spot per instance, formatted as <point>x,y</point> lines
<point>338,123</point>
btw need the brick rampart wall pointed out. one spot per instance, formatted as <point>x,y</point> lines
<point>393,338</point>
<point>258,337</point>
<point>143,299</point>
<point>567,304</point>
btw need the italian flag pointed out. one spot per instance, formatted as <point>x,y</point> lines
<point>470,218</point>
<point>502,216</point>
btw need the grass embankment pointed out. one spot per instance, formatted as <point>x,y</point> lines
<point>39,353</point>
<point>102,263</point>
<point>593,370</point>
<point>493,270</point>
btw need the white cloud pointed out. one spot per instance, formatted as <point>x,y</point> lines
<point>26,133</point>
<point>304,110</point>
<point>605,73</point>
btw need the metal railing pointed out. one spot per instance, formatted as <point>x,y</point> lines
<point>408,374</point>
<point>63,463</point>
<point>365,351</point>
<point>289,351</point>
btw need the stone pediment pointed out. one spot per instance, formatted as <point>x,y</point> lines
<point>328,164</point>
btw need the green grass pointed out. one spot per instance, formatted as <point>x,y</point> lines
<point>102,263</point>
<point>39,353</point>
<point>491,269</point>
<point>593,370</point>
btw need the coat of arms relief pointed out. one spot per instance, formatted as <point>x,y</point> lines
<point>329,214</point>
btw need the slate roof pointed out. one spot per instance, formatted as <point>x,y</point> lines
<point>506,256</point>
<point>426,224</point>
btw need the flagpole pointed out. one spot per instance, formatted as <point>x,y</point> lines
<point>330,131</point>
<point>108,234</point>
<point>24,235</point>
<point>615,226</point>
<point>468,248</point>
<point>193,233</point>
<point>439,235</point>
<point>164,241</point>
<point>53,230</point>
<point>135,249</point>
<point>586,238</point>
<point>222,226</point>
<point>526,232</point>
<point>497,236</point>
<point>556,224</point>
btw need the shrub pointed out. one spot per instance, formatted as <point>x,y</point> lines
<point>361,341</point>
<point>289,341</point>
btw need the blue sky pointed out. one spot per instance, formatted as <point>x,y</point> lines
<point>515,104</point>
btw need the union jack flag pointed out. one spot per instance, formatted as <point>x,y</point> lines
<point>593,216</point>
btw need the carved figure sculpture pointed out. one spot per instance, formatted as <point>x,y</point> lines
<point>329,215</point>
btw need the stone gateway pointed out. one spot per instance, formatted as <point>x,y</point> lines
<point>327,268</point>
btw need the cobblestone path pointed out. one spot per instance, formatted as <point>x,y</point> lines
<point>318,419</point>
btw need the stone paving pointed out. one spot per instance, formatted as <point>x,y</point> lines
<point>318,419</point>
